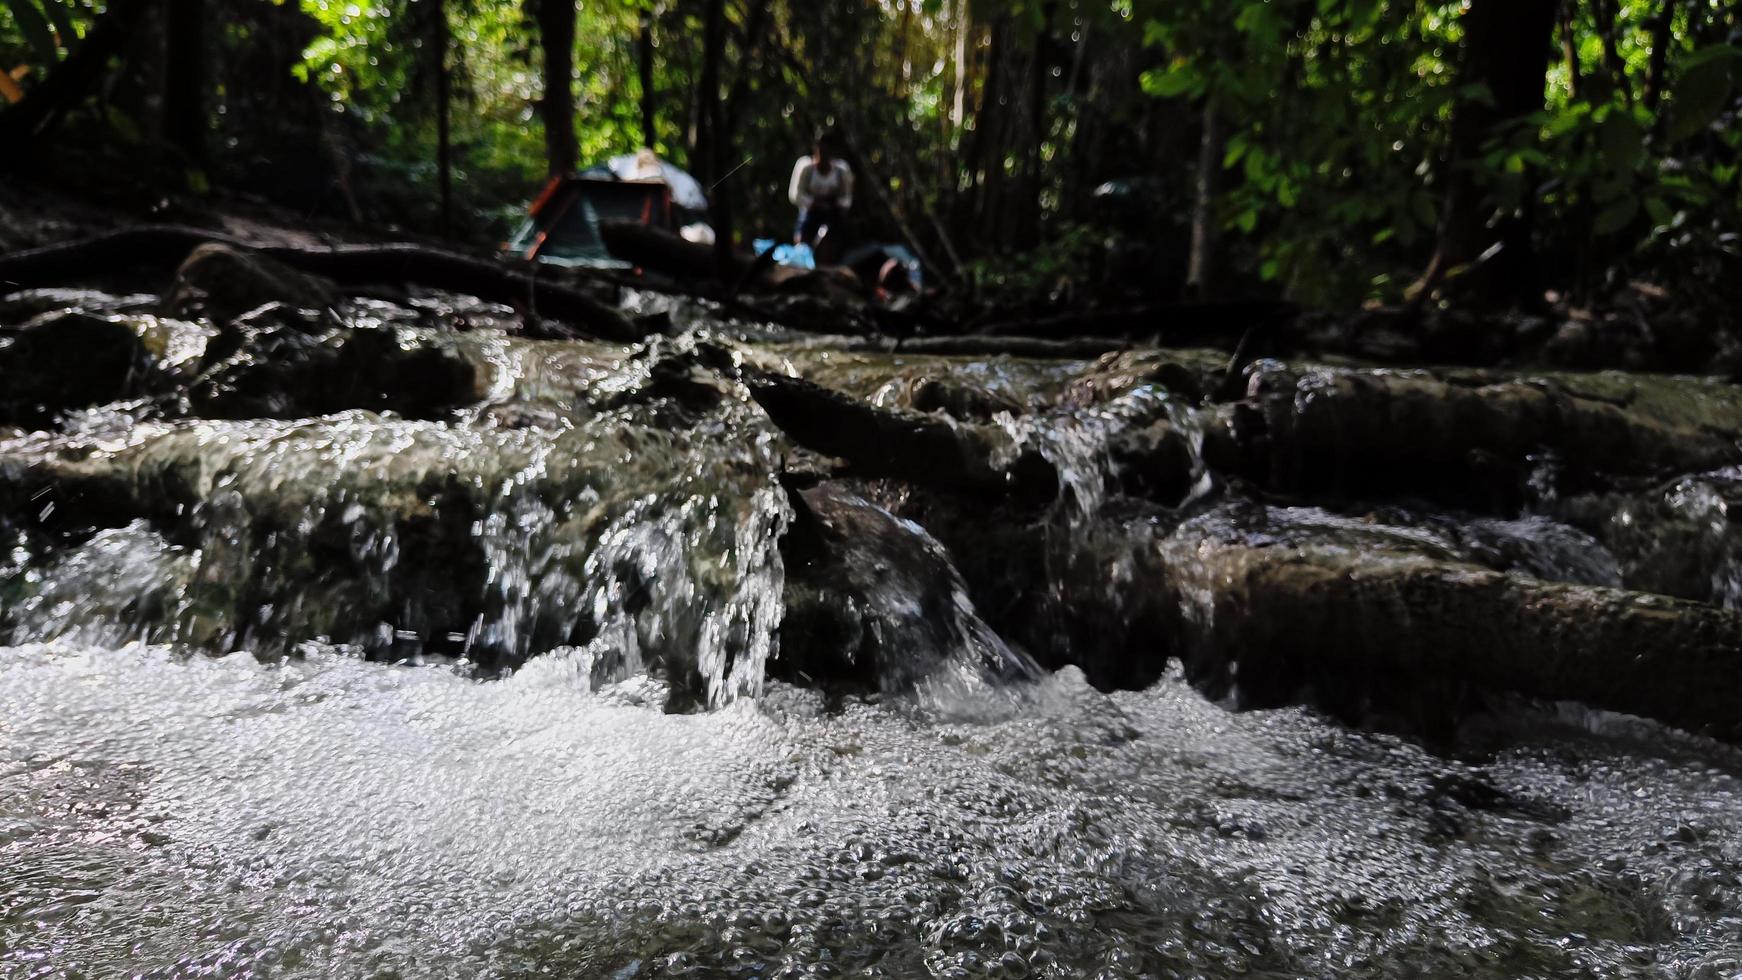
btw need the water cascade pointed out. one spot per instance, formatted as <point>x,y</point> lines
<point>383,641</point>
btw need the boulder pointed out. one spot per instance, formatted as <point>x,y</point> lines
<point>282,371</point>
<point>874,603</point>
<point>67,361</point>
<point>222,282</point>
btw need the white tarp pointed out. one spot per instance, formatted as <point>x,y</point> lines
<point>686,191</point>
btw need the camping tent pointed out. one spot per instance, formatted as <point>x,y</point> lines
<point>562,226</point>
<point>686,191</point>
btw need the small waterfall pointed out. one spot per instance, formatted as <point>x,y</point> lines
<point>909,607</point>
<point>1541,548</point>
<point>1707,504</point>
<point>697,581</point>
<point>1082,445</point>
<point>405,539</point>
<point>121,585</point>
<point>1681,538</point>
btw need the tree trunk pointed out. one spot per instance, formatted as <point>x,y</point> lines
<point>1607,27</point>
<point>1570,47</point>
<point>184,81</point>
<point>556,38</point>
<point>130,250</point>
<point>1028,234</point>
<point>711,141</point>
<point>1661,39</point>
<point>959,95</point>
<point>708,92</point>
<point>991,126</point>
<point>439,41</point>
<point>1506,49</point>
<point>1200,266</point>
<point>649,131</point>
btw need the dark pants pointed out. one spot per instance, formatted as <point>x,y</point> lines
<point>812,220</point>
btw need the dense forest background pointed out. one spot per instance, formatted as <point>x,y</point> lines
<point>1329,152</point>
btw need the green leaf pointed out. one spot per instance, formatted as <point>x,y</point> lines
<point>1701,92</point>
<point>35,28</point>
<point>1236,149</point>
<point>1269,270</point>
<point>1247,220</point>
<point>1659,210</point>
<point>1616,216</point>
<point>1178,79</point>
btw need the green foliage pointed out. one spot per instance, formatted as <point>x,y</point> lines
<point>1338,115</point>
<point>46,25</point>
<point>1067,262</point>
<point>1336,111</point>
<point>1707,79</point>
<point>982,126</point>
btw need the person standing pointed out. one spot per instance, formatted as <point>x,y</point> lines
<point>822,188</point>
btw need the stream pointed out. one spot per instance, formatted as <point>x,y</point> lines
<point>521,676</point>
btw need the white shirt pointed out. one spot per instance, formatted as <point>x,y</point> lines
<point>811,186</point>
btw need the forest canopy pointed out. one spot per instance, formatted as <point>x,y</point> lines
<point>1330,152</point>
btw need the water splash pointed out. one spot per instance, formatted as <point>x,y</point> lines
<point>1080,443</point>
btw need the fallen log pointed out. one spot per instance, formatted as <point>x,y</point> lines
<point>148,246</point>
<point>1473,438</point>
<point>827,299</point>
<point>1352,627</point>
<point>668,253</point>
<point>924,449</point>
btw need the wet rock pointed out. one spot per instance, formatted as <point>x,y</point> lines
<point>28,303</point>
<point>962,401</point>
<point>271,555</point>
<point>976,346</point>
<point>1472,438</point>
<point>1188,375</point>
<point>285,372</point>
<point>905,445</point>
<point>67,361</point>
<point>1154,461</point>
<point>1383,623</point>
<point>874,603</point>
<point>1064,596</point>
<point>222,282</point>
<point>681,379</point>
<point>378,371</point>
<point>1682,537</point>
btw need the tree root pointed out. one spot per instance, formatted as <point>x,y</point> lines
<point>129,249</point>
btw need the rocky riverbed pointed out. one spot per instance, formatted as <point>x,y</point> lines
<point>354,631</point>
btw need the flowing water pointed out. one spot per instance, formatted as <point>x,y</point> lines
<point>573,761</point>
